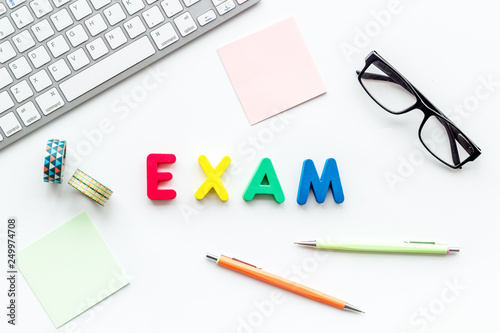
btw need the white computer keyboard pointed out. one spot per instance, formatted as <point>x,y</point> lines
<point>56,54</point>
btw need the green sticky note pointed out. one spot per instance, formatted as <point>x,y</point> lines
<point>71,269</point>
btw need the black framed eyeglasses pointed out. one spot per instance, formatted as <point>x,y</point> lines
<point>393,92</point>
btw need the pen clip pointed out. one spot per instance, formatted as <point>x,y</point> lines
<point>243,262</point>
<point>416,242</point>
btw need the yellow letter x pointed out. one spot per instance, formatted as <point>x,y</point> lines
<point>213,178</point>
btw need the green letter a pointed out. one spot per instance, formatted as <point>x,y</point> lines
<point>257,185</point>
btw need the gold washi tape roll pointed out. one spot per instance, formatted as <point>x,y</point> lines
<point>90,187</point>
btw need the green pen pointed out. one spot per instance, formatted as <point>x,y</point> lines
<point>405,247</point>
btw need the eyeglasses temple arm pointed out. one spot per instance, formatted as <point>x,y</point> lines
<point>391,77</point>
<point>378,77</point>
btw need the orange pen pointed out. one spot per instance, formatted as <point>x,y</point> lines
<point>253,271</point>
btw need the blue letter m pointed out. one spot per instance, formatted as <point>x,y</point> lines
<point>330,177</point>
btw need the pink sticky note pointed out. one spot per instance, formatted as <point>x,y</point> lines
<point>272,70</point>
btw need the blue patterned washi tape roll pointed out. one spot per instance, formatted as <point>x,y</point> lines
<point>90,187</point>
<point>55,157</point>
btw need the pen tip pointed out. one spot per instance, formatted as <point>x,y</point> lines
<point>350,307</point>
<point>306,243</point>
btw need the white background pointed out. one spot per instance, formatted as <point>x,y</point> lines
<point>444,48</point>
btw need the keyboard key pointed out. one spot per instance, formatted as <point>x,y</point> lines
<point>78,59</point>
<point>133,6</point>
<point>185,24</point>
<point>207,17</point>
<point>14,3</point>
<point>171,7</point>
<point>164,36</point>
<point>150,1</point>
<point>41,7</point>
<point>6,27</point>
<point>61,19</point>
<point>5,78</point>
<point>116,38</point>
<point>77,35</point>
<point>153,16</point>
<point>226,7</point>
<point>134,27</point>
<point>109,67</point>
<point>23,41</point>
<point>98,4</point>
<point>10,124</point>
<point>39,56</point>
<point>114,14</point>
<point>6,51</point>
<point>20,67</point>
<point>58,46</point>
<point>28,113</point>
<point>217,2</point>
<point>22,17</point>
<point>59,70</point>
<point>5,101</point>
<point>96,24</point>
<point>49,101</point>
<point>21,91</point>
<point>40,80</point>
<point>189,3</point>
<point>59,3</point>
<point>97,48</point>
<point>241,1</point>
<point>3,10</point>
<point>80,9</point>
<point>42,30</point>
